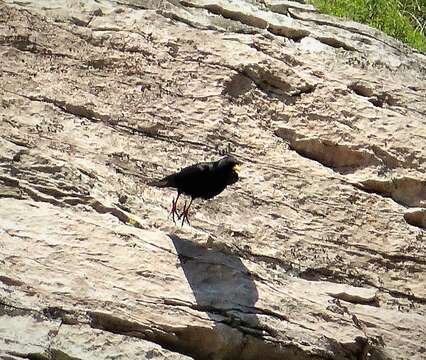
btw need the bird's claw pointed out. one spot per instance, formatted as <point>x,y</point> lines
<point>173,211</point>
<point>184,214</point>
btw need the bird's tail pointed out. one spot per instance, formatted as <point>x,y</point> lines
<point>168,181</point>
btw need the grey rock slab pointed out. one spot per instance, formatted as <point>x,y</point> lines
<point>317,252</point>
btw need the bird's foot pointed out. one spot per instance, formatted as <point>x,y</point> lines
<point>173,211</point>
<point>184,215</point>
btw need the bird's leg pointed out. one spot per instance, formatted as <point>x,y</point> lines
<point>173,211</point>
<point>185,213</point>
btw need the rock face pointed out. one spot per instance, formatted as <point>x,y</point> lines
<point>318,252</point>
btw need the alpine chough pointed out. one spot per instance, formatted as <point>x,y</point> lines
<point>202,180</point>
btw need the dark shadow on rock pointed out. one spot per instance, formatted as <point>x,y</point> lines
<point>222,286</point>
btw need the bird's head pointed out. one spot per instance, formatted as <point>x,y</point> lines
<point>232,167</point>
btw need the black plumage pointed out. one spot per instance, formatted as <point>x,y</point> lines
<point>203,180</point>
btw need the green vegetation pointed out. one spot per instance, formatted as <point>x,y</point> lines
<point>402,19</point>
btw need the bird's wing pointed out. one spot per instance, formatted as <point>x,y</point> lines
<point>187,177</point>
<point>194,172</point>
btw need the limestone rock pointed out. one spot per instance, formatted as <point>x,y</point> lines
<point>316,253</point>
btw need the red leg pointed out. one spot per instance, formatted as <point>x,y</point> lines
<point>185,213</point>
<point>173,211</point>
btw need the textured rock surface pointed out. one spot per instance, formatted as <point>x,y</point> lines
<point>317,253</point>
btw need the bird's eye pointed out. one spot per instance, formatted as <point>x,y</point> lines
<point>236,168</point>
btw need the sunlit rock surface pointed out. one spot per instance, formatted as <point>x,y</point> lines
<point>318,252</point>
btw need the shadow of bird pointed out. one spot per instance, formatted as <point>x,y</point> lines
<point>202,180</point>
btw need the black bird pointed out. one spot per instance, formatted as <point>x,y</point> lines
<point>203,180</point>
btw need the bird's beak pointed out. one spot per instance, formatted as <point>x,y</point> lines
<point>236,168</point>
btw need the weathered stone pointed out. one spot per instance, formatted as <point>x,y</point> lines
<point>316,253</point>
